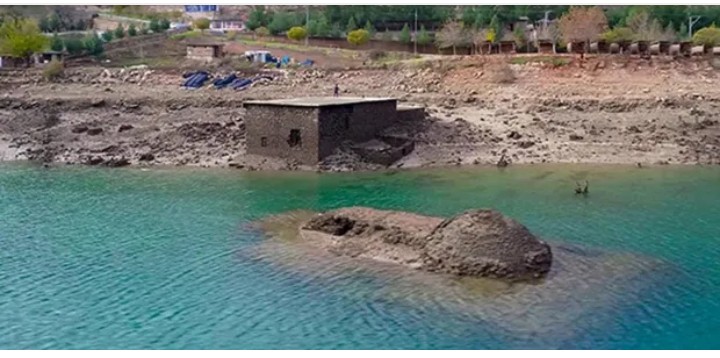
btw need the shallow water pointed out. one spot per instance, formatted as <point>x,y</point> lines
<point>94,258</point>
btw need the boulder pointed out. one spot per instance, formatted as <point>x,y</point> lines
<point>486,243</point>
<point>480,243</point>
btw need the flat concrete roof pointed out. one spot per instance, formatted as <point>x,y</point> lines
<point>318,101</point>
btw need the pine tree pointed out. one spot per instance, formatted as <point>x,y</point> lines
<point>119,32</point>
<point>351,26</point>
<point>370,28</point>
<point>405,34</point>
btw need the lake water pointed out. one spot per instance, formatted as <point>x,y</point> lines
<point>167,258</point>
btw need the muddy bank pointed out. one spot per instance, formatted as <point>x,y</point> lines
<point>544,116</point>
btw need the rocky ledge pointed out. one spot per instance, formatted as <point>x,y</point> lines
<point>481,242</point>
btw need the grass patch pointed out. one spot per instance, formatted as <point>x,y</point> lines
<point>551,60</point>
<point>300,48</point>
<point>186,35</point>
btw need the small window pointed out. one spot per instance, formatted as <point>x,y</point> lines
<point>263,141</point>
<point>294,140</point>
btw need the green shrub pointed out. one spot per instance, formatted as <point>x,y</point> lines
<point>297,33</point>
<point>708,36</point>
<point>201,24</point>
<point>94,45</point>
<point>358,37</point>
<point>119,32</point>
<point>74,46</point>
<point>132,31</point>
<point>107,36</point>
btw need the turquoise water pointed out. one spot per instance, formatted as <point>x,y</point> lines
<point>131,259</point>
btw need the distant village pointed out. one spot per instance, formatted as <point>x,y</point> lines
<point>72,32</point>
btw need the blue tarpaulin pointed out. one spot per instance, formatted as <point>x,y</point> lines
<point>225,81</point>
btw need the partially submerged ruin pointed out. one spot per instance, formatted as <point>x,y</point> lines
<point>308,130</point>
<point>476,243</point>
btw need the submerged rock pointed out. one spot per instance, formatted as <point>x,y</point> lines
<point>482,242</point>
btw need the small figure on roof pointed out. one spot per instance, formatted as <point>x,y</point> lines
<point>336,91</point>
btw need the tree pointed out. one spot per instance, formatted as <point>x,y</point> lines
<point>351,25</point>
<point>312,28</point>
<point>683,34</point>
<point>132,31</point>
<point>643,26</point>
<point>155,25</point>
<point>74,46</point>
<point>201,24</point>
<point>56,43</point>
<point>370,28</point>
<point>479,37</point>
<point>94,45</point>
<point>297,33</point>
<point>164,24</point>
<point>335,31</point>
<point>582,24</point>
<point>54,24</point>
<point>323,28</point>
<point>452,35</point>
<point>107,36</point>
<point>708,36</point>
<point>22,38</point>
<point>44,24</point>
<point>119,32</point>
<point>405,36</point>
<point>257,18</point>
<point>495,29</point>
<point>669,34</point>
<point>423,38</point>
<point>281,22</point>
<point>358,37</point>
<point>262,31</point>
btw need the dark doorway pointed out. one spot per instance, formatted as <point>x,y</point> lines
<point>263,142</point>
<point>294,140</point>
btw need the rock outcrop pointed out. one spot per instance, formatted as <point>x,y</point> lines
<point>480,242</point>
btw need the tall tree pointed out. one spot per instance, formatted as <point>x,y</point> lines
<point>423,37</point>
<point>582,24</point>
<point>370,28</point>
<point>452,35</point>
<point>22,38</point>
<point>257,18</point>
<point>351,25</point>
<point>405,36</point>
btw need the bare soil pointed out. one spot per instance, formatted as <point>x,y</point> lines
<point>601,110</point>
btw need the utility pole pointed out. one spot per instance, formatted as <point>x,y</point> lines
<point>307,24</point>
<point>692,19</point>
<point>416,34</point>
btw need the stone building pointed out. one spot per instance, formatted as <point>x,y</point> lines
<point>309,129</point>
<point>204,51</point>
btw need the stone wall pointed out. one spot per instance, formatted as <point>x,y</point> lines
<point>274,124</point>
<point>205,53</point>
<point>356,122</point>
